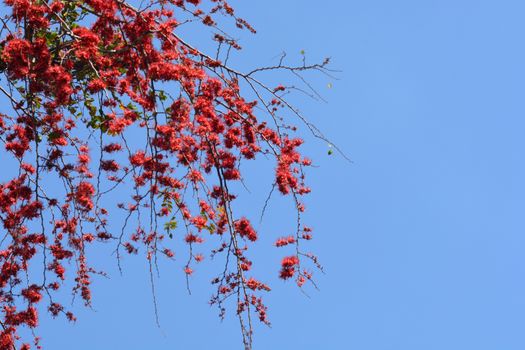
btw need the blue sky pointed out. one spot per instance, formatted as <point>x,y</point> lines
<point>422,236</point>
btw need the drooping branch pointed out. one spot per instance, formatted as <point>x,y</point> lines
<point>107,95</point>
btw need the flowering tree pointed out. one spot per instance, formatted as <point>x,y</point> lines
<point>100,95</point>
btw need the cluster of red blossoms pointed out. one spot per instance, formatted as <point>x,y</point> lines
<point>105,95</point>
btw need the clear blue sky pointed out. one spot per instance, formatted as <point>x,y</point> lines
<point>422,236</point>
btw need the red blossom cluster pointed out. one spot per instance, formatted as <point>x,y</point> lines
<point>81,93</point>
<point>281,242</point>
<point>289,265</point>
<point>245,229</point>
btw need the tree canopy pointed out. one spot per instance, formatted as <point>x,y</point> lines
<point>104,95</point>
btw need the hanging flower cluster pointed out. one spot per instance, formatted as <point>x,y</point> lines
<point>103,95</point>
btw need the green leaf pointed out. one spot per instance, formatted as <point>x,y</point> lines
<point>170,225</point>
<point>53,135</point>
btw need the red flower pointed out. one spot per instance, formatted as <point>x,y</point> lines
<point>245,229</point>
<point>32,294</point>
<point>288,265</point>
<point>84,194</point>
<point>284,241</point>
